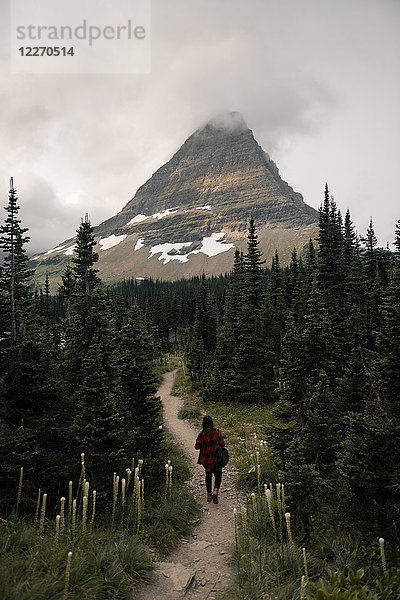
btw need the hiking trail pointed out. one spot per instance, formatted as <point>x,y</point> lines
<point>200,566</point>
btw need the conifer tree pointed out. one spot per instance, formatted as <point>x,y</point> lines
<point>15,280</point>
<point>135,388</point>
<point>203,337</point>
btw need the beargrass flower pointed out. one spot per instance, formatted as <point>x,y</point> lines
<point>43,513</point>
<point>93,507</point>
<point>69,499</point>
<point>73,525</point>
<point>303,588</point>
<point>123,485</point>
<point>305,564</point>
<point>67,573</point>
<point>383,557</point>
<point>84,513</point>
<point>62,517</point>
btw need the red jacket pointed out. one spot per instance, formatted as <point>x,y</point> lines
<point>207,442</point>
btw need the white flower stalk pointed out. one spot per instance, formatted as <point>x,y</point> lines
<point>279,508</point>
<point>270,509</point>
<point>383,557</point>
<point>37,507</point>
<point>58,518</point>
<point>283,498</point>
<point>289,530</point>
<point>93,507</point>
<point>278,496</point>
<point>244,519</point>
<point>69,499</point>
<point>140,464</point>
<point>62,514</point>
<point>166,477</point>
<point>160,427</point>
<point>128,477</point>
<point>84,513</point>
<point>43,513</point>
<point>170,479</point>
<point>21,477</point>
<point>86,490</point>
<point>67,574</point>
<point>115,498</point>
<point>133,464</point>
<point>169,461</point>
<point>137,487</point>
<point>123,486</point>
<point>142,492</point>
<point>73,524</point>
<point>258,476</point>
<point>303,588</point>
<point>305,563</point>
<point>83,465</point>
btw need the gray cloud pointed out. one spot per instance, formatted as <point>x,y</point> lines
<point>315,80</point>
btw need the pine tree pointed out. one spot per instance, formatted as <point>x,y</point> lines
<point>275,310</point>
<point>388,342</point>
<point>203,338</point>
<point>135,387</point>
<point>98,428</point>
<point>370,252</point>
<point>15,280</point>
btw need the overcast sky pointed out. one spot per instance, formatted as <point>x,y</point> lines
<point>316,80</point>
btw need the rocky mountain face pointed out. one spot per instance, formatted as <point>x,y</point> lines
<point>189,217</point>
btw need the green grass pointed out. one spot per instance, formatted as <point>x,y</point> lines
<point>104,564</point>
<point>339,567</point>
<point>110,555</point>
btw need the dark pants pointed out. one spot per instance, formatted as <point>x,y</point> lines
<point>218,477</point>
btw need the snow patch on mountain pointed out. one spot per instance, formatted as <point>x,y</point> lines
<point>111,240</point>
<point>210,246</point>
<point>139,244</point>
<point>42,256</point>
<point>58,249</point>
<point>137,219</point>
<point>69,251</point>
<point>164,213</point>
<point>207,207</point>
<point>213,245</point>
<point>164,249</point>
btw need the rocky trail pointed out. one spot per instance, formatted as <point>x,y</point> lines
<point>200,566</point>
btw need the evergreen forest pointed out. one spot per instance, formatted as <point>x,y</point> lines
<point>315,342</point>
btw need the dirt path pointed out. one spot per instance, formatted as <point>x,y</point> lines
<point>200,566</point>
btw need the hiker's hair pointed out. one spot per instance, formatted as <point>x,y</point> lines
<point>207,423</point>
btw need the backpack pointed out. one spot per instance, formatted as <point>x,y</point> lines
<point>221,457</point>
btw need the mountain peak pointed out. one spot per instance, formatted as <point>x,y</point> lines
<point>193,212</point>
<point>230,122</point>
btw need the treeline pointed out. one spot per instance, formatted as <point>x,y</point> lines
<point>84,383</point>
<point>320,339</point>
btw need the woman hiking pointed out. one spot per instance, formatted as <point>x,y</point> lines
<point>207,442</point>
